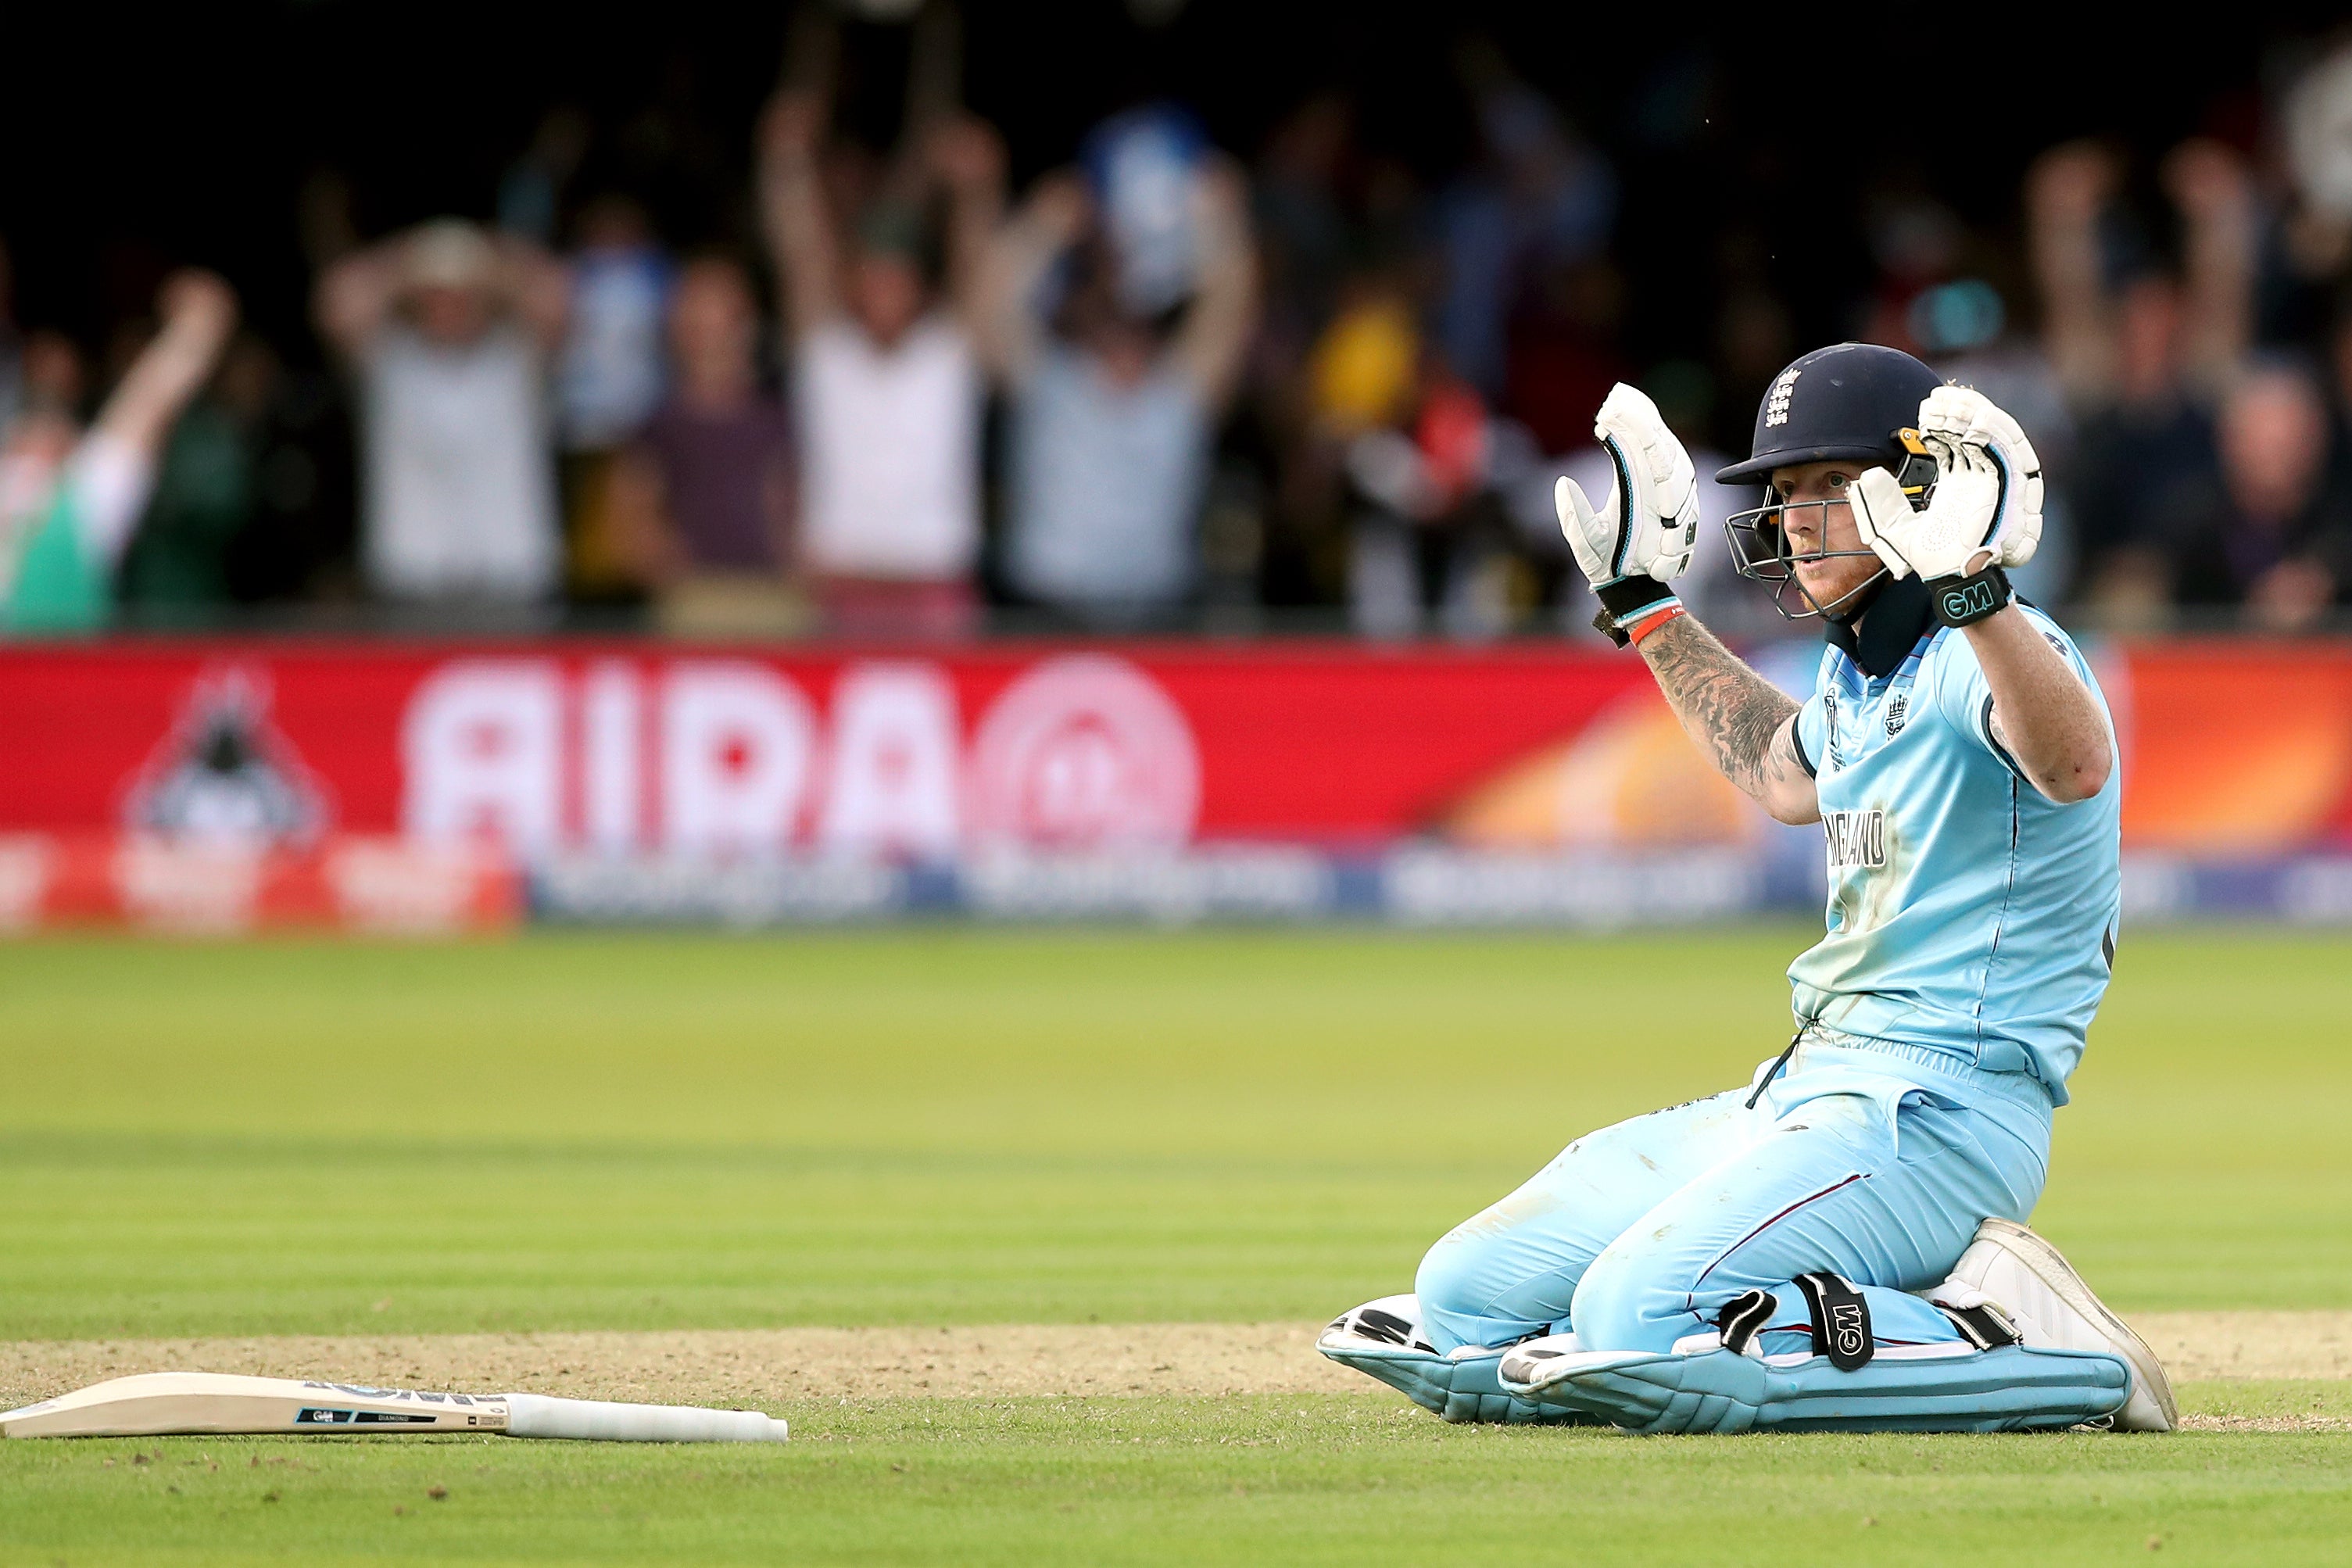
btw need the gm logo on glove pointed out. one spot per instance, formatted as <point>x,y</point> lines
<point>1968,601</point>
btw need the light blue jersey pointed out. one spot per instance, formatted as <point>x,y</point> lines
<point>1967,912</point>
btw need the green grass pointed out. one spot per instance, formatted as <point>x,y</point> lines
<point>944,1126</point>
<point>1336,1479</point>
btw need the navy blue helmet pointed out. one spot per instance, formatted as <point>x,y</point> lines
<point>1847,401</point>
<point>1856,403</point>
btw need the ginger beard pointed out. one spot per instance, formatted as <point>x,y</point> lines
<point>1827,556</point>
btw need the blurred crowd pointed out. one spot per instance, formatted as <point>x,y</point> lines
<point>1165,385</point>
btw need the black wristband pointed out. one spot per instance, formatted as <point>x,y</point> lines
<point>1622,602</point>
<point>1964,600</point>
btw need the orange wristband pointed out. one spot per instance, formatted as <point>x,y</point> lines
<point>1651,623</point>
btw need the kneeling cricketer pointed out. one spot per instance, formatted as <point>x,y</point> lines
<point>1841,1242</point>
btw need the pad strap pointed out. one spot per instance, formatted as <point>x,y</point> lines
<point>1984,1325</point>
<point>1841,1320</point>
<point>1374,1324</point>
<point>1744,1317</point>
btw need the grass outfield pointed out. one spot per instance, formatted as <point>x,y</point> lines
<point>938,1126</point>
<point>1329,1479</point>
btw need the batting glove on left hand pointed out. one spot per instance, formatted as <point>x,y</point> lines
<point>1985,509</point>
<point>1649,524</point>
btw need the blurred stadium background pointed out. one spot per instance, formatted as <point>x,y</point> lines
<point>1085,460</point>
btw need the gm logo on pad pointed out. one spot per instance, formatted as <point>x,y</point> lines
<point>1847,1331</point>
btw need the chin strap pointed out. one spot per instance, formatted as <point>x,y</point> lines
<point>1881,632</point>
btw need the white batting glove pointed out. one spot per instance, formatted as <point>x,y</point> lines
<point>1653,534</point>
<point>1986,508</point>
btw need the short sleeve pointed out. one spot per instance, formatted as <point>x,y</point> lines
<point>1813,735</point>
<point>1964,697</point>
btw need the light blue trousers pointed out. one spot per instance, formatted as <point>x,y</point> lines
<point>1867,1159</point>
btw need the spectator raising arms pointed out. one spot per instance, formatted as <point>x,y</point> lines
<point>608,377</point>
<point>449,333</point>
<point>2263,530</point>
<point>2143,348</point>
<point>1113,418</point>
<point>704,496</point>
<point>68,500</point>
<point>886,387</point>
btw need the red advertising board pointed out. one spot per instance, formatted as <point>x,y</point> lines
<point>629,746</point>
<point>635,746</point>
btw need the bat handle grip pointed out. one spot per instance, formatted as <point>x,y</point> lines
<point>597,1420</point>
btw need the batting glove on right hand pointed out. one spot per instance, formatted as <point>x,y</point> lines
<point>1649,524</point>
<point>1985,509</point>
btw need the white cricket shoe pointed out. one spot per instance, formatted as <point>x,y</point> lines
<point>2008,1267</point>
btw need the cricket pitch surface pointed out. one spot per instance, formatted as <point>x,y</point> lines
<point>779,1368</point>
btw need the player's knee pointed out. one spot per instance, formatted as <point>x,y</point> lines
<point>1630,1300</point>
<point>1452,1282</point>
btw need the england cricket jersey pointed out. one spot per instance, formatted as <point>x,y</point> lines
<point>1967,912</point>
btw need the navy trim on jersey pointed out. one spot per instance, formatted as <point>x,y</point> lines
<point>1797,745</point>
<point>2008,888</point>
<point>1984,725</point>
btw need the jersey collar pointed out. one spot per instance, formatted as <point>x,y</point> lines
<point>1880,634</point>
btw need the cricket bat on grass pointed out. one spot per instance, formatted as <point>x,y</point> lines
<point>157,1403</point>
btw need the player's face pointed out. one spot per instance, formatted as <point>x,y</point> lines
<point>1826,552</point>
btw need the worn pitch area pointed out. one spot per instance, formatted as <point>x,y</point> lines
<point>777,1368</point>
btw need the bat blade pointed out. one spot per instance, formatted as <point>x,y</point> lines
<point>156,1403</point>
<point>160,1404</point>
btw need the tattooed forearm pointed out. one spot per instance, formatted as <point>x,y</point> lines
<point>1740,720</point>
<point>1729,709</point>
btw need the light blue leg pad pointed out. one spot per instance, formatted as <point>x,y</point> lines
<point>2012,1389</point>
<point>1464,1390</point>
